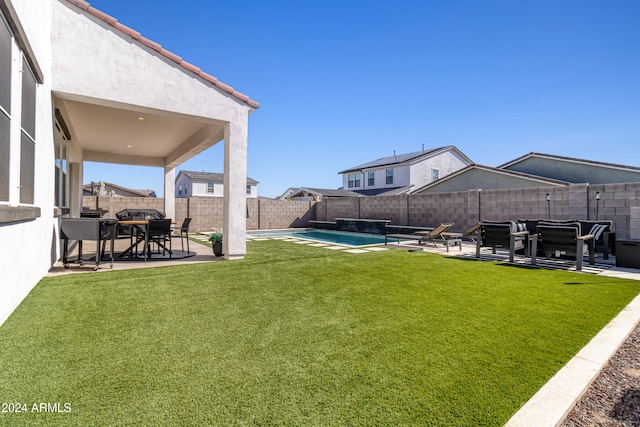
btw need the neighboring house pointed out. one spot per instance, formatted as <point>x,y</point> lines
<point>400,173</point>
<point>573,170</point>
<point>481,177</point>
<point>315,194</point>
<point>108,189</point>
<point>207,184</point>
<point>76,85</point>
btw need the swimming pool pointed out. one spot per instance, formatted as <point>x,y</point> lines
<point>344,238</point>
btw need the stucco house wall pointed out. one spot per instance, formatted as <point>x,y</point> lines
<point>482,179</point>
<point>445,163</point>
<point>89,62</point>
<point>187,186</point>
<point>29,246</point>
<point>411,169</point>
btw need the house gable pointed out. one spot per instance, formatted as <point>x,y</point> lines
<point>206,184</point>
<point>403,171</point>
<point>572,169</point>
<point>486,178</point>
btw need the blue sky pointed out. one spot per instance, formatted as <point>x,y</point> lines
<point>341,83</point>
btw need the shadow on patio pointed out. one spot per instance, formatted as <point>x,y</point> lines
<point>202,254</point>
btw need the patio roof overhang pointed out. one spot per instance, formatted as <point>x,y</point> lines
<point>124,99</point>
<point>124,134</point>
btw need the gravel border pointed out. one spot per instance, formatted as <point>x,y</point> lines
<point>613,399</point>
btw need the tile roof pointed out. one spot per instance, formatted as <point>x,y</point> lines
<point>159,49</point>
<point>210,176</point>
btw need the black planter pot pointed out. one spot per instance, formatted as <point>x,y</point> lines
<point>217,248</point>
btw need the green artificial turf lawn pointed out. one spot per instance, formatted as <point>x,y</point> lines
<point>295,335</point>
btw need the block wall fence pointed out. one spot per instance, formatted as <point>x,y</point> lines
<point>619,203</point>
<point>207,213</point>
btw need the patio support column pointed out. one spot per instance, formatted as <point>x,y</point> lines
<point>75,188</point>
<point>170,192</point>
<point>235,188</point>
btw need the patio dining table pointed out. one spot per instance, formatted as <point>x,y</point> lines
<point>140,227</point>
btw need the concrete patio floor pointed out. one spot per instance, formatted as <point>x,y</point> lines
<point>202,254</point>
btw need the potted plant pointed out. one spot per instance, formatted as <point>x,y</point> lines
<point>216,243</point>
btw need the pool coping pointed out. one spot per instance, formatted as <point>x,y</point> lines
<point>274,233</point>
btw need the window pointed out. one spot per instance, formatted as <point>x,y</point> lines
<point>5,108</point>
<point>389,173</point>
<point>61,198</point>
<point>371,181</point>
<point>28,135</point>
<point>209,187</point>
<point>354,180</point>
<point>180,190</point>
<point>19,76</point>
<point>434,174</point>
<point>248,189</point>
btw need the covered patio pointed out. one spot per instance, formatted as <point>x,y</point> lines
<point>121,98</point>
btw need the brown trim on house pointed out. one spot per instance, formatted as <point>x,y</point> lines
<point>21,38</point>
<point>63,125</point>
<point>9,214</point>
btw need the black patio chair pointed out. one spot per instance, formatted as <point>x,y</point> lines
<point>564,240</point>
<point>502,234</point>
<point>182,233</point>
<point>159,232</point>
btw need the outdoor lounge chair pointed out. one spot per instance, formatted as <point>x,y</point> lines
<point>565,239</point>
<point>441,235</point>
<point>502,234</point>
<point>435,235</point>
<point>472,232</point>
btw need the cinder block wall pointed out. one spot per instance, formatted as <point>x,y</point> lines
<point>343,207</point>
<point>207,212</point>
<point>619,203</point>
<point>394,208</point>
<point>283,214</point>
<point>115,204</point>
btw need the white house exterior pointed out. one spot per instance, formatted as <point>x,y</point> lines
<point>76,85</point>
<point>403,172</point>
<point>207,184</point>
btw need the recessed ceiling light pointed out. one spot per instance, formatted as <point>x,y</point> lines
<point>129,145</point>
<point>141,118</point>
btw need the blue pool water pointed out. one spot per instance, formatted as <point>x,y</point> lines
<point>324,236</point>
